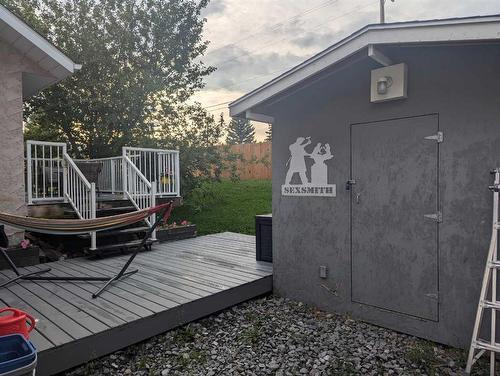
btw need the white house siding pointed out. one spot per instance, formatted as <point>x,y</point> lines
<point>12,179</point>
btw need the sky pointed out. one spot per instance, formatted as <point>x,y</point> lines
<point>253,41</point>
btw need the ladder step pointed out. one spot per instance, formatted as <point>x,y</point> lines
<point>480,344</point>
<point>490,304</point>
<point>490,279</point>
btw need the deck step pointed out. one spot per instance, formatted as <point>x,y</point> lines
<point>104,212</point>
<point>120,247</point>
<point>108,197</point>
<point>118,232</point>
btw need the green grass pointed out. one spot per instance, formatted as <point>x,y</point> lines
<point>226,206</point>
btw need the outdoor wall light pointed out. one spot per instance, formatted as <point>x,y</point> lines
<point>389,83</point>
<point>383,83</point>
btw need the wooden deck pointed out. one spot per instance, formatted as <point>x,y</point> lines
<point>178,282</point>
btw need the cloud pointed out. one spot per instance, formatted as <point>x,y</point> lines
<point>214,7</point>
<point>253,41</point>
<point>309,39</point>
<point>238,69</point>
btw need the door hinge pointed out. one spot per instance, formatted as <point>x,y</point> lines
<point>438,217</point>
<point>433,296</point>
<point>438,137</point>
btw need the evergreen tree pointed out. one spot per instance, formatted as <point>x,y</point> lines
<point>222,122</point>
<point>269,133</point>
<point>240,131</point>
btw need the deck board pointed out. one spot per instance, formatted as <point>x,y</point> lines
<point>177,282</point>
<point>133,294</point>
<point>112,296</point>
<point>80,322</point>
<point>167,291</point>
<point>78,292</point>
<point>93,317</point>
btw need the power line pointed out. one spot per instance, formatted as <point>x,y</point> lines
<point>217,104</point>
<point>239,83</point>
<point>276,25</point>
<point>258,76</point>
<point>217,109</point>
<point>358,8</point>
<point>251,52</point>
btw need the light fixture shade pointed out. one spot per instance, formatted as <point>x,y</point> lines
<point>389,83</point>
<point>383,84</point>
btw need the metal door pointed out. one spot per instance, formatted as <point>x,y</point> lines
<point>395,215</point>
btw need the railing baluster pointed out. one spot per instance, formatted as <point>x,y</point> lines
<point>177,175</point>
<point>58,172</point>
<point>171,173</point>
<point>171,170</point>
<point>42,172</point>
<point>36,173</point>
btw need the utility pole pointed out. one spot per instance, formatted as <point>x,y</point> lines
<point>382,11</point>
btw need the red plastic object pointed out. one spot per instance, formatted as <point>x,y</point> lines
<point>19,322</point>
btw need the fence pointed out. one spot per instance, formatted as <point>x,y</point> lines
<point>256,164</point>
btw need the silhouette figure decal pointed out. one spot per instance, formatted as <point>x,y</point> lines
<point>317,184</point>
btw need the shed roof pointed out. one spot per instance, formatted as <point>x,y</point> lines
<point>16,33</point>
<point>452,30</point>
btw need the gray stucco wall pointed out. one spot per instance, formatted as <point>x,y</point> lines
<point>12,192</point>
<point>459,83</point>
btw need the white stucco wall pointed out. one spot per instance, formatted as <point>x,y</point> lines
<point>12,186</point>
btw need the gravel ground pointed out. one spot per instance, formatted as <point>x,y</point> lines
<point>275,336</point>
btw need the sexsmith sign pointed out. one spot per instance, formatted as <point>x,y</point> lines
<point>317,185</point>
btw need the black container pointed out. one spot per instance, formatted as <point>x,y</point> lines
<point>22,257</point>
<point>264,237</point>
<point>176,233</point>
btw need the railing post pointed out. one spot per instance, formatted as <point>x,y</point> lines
<point>112,168</point>
<point>93,204</point>
<point>153,204</point>
<point>29,172</point>
<point>124,172</point>
<point>177,175</point>
<point>65,174</point>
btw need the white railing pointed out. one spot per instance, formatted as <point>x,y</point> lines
<point>157,165</point>
<point>44,171</point>
<point>141,174</point>
<point>110,177</point>
<point>138,189</point>
<point>80,193</point>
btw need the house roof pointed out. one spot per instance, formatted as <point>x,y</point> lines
<point>453,30</point>
<point>28,42</point>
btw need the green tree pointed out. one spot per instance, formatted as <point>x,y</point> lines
<point>269,133</point>
<point>141,63</point>
<point>197,135</point>
<point>240,131</point>
<point>222,121</point>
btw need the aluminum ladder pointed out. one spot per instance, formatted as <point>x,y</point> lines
<point>488,297</point>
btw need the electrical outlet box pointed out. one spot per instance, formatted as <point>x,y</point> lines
<point>394,77</point>
<point>323,271</point>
